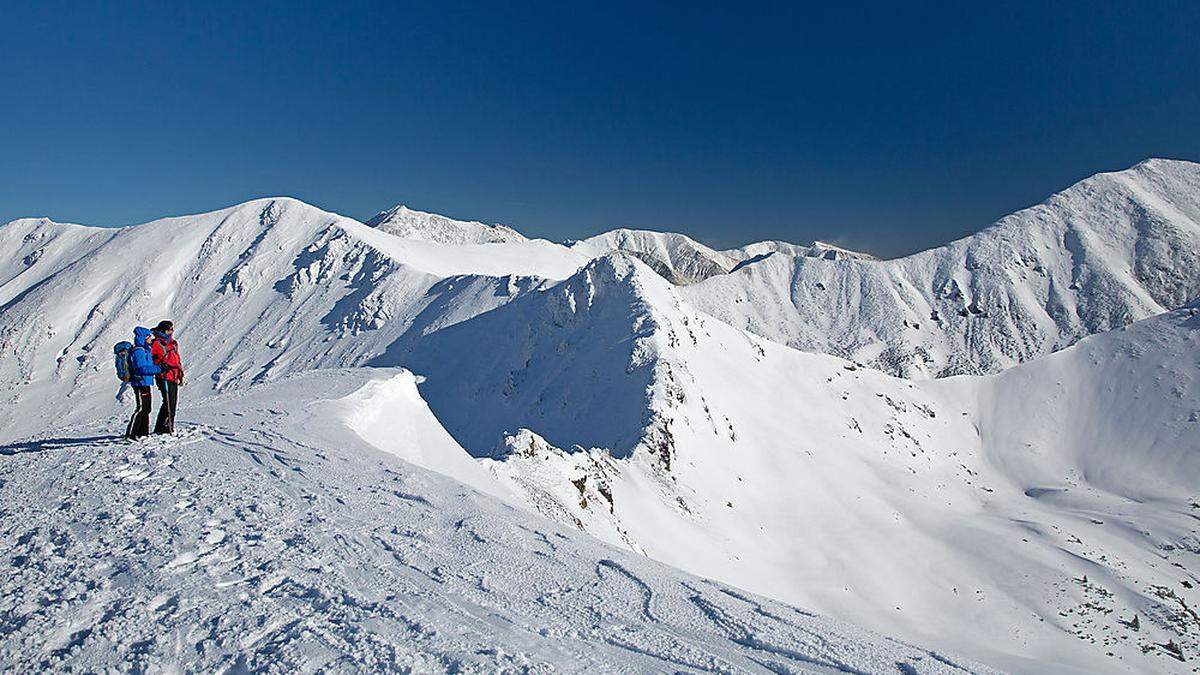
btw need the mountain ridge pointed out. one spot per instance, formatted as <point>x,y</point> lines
<point>1093,257</point>
<point>379,217</point>
<point>407,223</point>
<point>597,390</point>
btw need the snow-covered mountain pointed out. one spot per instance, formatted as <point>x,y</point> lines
<point>644,389</point>
<point>409,224</point>
<point>616,407</point>
<point>272,532</point>
<point>266,288</point>
<point>683,260</point>
<point>1112,249</point>
<point>1107,251</point>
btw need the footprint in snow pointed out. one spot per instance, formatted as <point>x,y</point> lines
<point>131,474</point>
<point>163,602</point>
<point>182,560</point>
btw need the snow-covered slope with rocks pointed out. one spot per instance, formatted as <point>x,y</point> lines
<point>272,532</point>
<point>407,223</point>
<point>1107,251</point>
<point>268,537</point>
<point>616,407</point>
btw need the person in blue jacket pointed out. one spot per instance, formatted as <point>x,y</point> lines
<point>142,370</point>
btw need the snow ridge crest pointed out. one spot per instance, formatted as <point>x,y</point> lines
<point>407,223</point>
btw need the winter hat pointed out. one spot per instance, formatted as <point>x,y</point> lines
<point>163,326</point>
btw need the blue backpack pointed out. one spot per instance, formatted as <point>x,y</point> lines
<point>121,354</point>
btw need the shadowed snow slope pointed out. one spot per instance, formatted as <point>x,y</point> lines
<point>266,537</point>
<point>1111,249</point>
<point>575,362</point>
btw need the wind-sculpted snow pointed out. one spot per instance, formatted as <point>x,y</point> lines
<point>266,538</point>
<point>1119,411</point>
<point>1110,250</point>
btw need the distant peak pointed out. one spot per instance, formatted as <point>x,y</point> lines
<point>1152,162</point>
<point>1149,166</point>
<point>408,223</point>
<point>397,211</point>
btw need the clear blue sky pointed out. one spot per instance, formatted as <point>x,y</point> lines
<point>888,128</point>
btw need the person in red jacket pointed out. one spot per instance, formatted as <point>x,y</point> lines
<point>165,352</point>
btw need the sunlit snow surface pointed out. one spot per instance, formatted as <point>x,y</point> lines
<point>267,536</point>
<point>1021,519</point>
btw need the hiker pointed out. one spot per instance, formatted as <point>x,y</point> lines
<point>141,377</point>
<point>165,351</point>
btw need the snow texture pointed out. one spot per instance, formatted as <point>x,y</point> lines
<point>267,537</point>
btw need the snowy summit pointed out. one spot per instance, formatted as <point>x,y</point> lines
<point>409,224</point>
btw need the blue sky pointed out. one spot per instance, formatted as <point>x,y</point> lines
<point>887,128</point>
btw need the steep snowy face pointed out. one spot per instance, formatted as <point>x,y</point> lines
<point>1110,250</point>
<point>266,288</point>
<point>407,223</point>
<point>580,363</point>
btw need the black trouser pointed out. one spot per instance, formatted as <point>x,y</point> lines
<point>139,424</point>
<point>166,410</point>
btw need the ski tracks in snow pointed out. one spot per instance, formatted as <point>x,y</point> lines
<point>249,542</point>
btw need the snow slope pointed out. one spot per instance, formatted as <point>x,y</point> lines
<point>616,407</point>
<point>1109,250</point>
<point>259,290</point>
<point>266,537</point>
<point>407,223</point>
